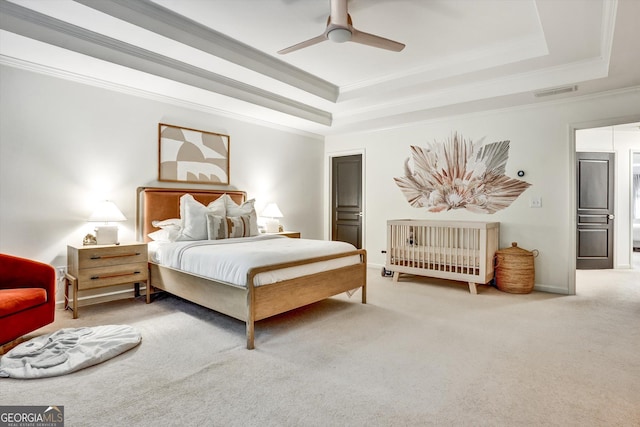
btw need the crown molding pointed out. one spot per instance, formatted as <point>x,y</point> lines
<point>37,26</point>
<point>141,93</point>
<point>162,21</point>
<point>609,13</point>
<point>378,125</point>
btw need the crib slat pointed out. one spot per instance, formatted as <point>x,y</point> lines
<point>455,250</point>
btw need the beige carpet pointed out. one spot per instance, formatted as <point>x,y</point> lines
<point>422,352</point>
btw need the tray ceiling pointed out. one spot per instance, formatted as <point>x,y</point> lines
<point>221,55</point>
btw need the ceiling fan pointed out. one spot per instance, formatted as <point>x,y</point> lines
<point>340,29</point>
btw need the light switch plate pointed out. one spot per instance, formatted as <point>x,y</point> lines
<point>535,202</point>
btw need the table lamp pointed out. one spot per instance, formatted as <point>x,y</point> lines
<point>107,212</point>
<point>272,212</point>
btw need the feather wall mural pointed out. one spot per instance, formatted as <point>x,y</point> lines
<point>460,174</point>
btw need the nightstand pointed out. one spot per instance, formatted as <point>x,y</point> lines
<point>99,266</point>
<point>292,234</point>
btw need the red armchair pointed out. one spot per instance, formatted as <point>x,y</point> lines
<point>27,296</point>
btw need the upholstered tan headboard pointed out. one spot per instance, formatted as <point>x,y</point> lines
<point>157,204</point>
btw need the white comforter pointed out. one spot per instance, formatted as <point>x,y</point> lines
<point>229,260</point>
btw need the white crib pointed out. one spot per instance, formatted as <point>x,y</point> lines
<point>454,250</point>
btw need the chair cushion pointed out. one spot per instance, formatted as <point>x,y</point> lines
<point>18,299</point>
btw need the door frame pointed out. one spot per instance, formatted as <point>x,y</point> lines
<point>573,191</point>
<point>631,203</point>
<point>329,185</point>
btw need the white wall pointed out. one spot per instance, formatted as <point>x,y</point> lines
<point>65,145</point>
<point>541,145</point>
<point>622,143</point>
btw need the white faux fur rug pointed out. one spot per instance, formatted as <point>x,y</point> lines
<point>67,350</point>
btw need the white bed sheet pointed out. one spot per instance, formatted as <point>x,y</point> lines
<point>229,260</point>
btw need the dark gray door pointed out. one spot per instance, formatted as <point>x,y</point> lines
<point>595,181</point>
<point>346,199</point>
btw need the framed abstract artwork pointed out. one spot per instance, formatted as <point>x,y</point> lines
<point>191,155</point>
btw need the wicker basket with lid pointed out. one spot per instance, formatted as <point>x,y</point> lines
<point>515,272</point>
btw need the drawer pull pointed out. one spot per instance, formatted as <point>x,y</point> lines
<point>114,256</point>
<point>113,275</point>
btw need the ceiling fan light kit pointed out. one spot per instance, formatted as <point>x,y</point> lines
<point>340,29</point>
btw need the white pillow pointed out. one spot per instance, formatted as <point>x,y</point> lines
<point>218,206</point>
<point>168,224</point>
<point>169,230</point>
<point>164,235</point>
<point>193,217</point>
<point>247,208</point>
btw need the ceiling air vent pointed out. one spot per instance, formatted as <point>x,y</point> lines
<point>555,91</point>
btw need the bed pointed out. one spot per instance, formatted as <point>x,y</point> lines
<point>247,301</point>
<point>453,250</point>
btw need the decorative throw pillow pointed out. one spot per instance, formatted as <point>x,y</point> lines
<point>216,226</point>
<point>247,208</point>
<point>193,217</point>
<point>238,226</point>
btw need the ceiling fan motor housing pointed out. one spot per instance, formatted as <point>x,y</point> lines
<point>339,35</point>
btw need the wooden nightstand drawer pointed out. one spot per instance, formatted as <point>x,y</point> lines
<point>98,277</point>
<point>98,266</point>
<point>102,256</point>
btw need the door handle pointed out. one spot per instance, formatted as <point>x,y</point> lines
<point>611,216</point>
<point>359,213</point>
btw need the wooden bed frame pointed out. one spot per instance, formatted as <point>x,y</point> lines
<point>250,303</point>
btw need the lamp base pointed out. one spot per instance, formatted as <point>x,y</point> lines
<point>273,226</point>
<point>106,234</point>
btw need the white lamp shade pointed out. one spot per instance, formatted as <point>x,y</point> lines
<point>107,212</point>
<point>271,211</point>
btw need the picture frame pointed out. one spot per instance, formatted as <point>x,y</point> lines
<point>192,156</point>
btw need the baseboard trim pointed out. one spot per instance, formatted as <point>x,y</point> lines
<point>551,289</point>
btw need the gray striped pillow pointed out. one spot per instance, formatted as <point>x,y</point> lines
<point>216,227</point>
<point>239,226</point>
<point>220,227</point>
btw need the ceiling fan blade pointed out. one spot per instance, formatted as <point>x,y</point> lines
<point>303,44</point>
<point>375,41</point>
<point>340,29</point>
